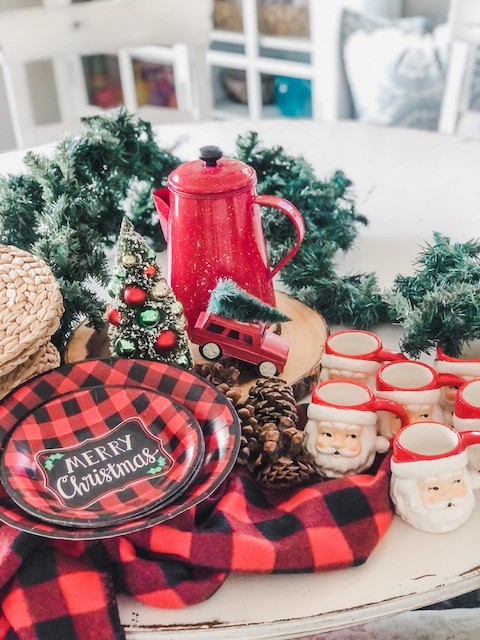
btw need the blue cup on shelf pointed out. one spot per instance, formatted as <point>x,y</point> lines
<point>293,96</point>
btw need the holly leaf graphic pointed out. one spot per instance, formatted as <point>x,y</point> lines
<point>50,461</point>
<point>159,466</point>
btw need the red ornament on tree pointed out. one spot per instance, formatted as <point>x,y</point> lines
<point>166,341</point>
<point>114,316</point>
<point>150,271</point>
<point>134,296</point>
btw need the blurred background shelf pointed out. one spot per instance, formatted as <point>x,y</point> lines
<point>261,59</point>
<point>289,55</point>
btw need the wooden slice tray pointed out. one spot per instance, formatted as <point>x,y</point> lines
<point>307,333</point>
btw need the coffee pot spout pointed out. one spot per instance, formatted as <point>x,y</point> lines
<point>161,198</point>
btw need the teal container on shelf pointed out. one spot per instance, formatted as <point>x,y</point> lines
<point>293,96</point>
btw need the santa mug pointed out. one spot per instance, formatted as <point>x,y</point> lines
<point>466,368</point>
<point>341,431</point>
<point>356,355</point>
<point>414,385</point>
<point>466,416</point>
<point>431,487</point>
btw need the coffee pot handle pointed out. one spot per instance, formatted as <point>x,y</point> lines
<point>295,216</point>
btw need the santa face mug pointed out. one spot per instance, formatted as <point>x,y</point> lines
<point>466,368</point>
<point>466,417</point>
<point>431,487</point>
<point>341,431</point>
<point>414,385</point>
<point>355,355</point>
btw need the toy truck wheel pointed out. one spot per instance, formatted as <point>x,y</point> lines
<point>267,369</point>
<point>210,351</point>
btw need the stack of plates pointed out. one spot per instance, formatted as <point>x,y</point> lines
<point>107,447</point>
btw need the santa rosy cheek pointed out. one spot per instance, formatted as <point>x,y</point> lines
<point>450,393</point>
<point>354,445</point>
<point>323,442</point>
<point>431,498</point>
<point>460,490</point>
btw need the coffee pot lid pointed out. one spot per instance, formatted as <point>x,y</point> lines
<point>211,174</point>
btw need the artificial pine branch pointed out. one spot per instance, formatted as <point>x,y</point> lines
<point>440,303</point>
<point>20,201</point>
<point>231,301</point>
<point>331,223</point>
<point>68,206</point>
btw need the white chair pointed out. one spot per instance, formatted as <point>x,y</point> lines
<point>464,22</point>
<point>152,30</point>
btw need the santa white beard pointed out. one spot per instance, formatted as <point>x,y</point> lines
<point>446,515</point>
<point>331,465</point>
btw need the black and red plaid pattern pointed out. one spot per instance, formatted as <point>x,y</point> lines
<point>64,588</point>
<point>90,416</point>
<point>214,413</point>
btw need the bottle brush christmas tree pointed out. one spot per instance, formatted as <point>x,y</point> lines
<point>145,320</point>
<point>231,301</point>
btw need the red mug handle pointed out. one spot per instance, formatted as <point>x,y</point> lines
<point>449,380</point>
<point>391,356</point>
<point>382,404</point>
<point>469,437</point>
<point>295,216</point>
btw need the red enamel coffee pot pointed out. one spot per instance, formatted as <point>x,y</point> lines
<point>210,217</point>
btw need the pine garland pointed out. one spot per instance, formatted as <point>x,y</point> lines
<point>440,303</point>
<point>68,207</point>
<point>331,224</point>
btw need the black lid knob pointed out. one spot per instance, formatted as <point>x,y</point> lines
<point>210,155</point>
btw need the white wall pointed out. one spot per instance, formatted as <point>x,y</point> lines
<point>41,84</point>
<point>434,9</point>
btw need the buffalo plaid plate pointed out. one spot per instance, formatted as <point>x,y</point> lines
<point>216,416</point>
<point>100,456</point>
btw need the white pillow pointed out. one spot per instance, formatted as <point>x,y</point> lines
<point>397,75</point>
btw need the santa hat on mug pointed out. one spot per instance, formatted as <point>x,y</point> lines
<point>317,410</point>
<point>411,464</point>
<point>466,367</point>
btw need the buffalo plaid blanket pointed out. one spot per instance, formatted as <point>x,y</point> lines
<point>54,589</point>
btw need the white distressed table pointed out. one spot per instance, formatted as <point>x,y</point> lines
<point>408,184</point>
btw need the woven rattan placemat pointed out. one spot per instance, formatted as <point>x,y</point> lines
<point>45,359</point>
<point>30,306</point>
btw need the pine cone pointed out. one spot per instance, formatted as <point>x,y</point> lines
<point>225,379</point>
<point>287,472</point>
<point>250,453</point>
<point>218,373</point>
<point>234,394</point>
<point>272,446</point>
<point>272,399</point>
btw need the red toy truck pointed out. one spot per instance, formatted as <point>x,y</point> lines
<point>248,341</point>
